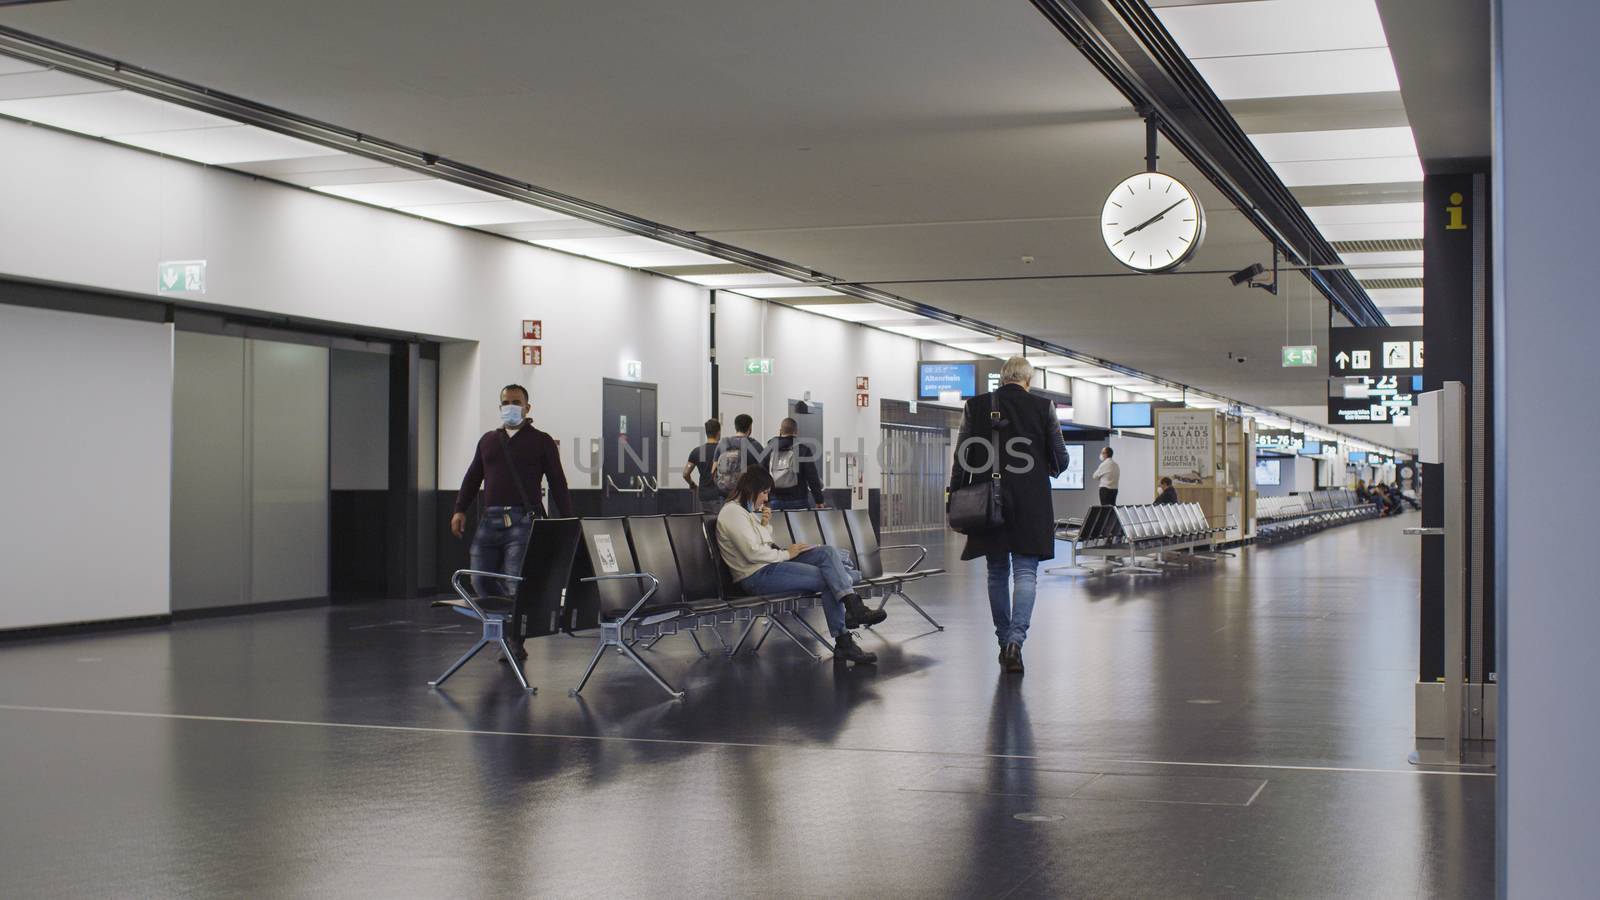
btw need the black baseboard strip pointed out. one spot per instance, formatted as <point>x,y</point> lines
<point>69,629</point>
<point>247,609</point>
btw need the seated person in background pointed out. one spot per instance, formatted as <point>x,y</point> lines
<point>744,535</point>
<point>1400,493</point>
<point>1362,494</point>
<point>1169,494</point>
<point>1385,501</point>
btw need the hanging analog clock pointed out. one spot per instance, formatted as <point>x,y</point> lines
<point>1152,222</point>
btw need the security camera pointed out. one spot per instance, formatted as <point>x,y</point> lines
<point>1247,274</point>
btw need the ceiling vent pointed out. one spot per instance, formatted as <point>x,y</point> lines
<point>1399,245</point>
<point>1388,284</point>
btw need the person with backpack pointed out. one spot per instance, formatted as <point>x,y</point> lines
<point>792,464</point>
<point>736,454</point>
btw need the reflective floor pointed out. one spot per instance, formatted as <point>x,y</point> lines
<point>1238,729</point>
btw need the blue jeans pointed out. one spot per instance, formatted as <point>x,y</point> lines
<point>777,504</point>
<point>1012,609</point>
<point>822,569</point>
<point>499,548</point>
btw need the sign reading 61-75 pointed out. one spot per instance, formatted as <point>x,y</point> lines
<point>181,276</point>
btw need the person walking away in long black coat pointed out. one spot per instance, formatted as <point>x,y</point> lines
<point>1031,452</point>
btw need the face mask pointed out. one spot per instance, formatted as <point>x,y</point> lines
<point>511,415</point>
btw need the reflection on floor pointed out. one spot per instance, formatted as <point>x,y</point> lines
<point>1238,729</point>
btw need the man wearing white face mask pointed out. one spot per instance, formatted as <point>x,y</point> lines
<point>511,464</point>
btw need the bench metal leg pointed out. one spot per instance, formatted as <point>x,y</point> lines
<point>924,613</point>
<point>594,661</point>
<point>749,626</point>
<point>516,667</point>
<point>676,694</point>
<point>814,632</point>
<point>791,635</point>
<point>482,642</point>
<point>771,620</point>
<point>717,632</point>
<point>696,638</point>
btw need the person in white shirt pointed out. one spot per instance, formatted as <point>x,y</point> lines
<point>1107,475</point>
<point>744,537</point>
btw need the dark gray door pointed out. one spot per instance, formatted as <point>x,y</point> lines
<point>628,448</point>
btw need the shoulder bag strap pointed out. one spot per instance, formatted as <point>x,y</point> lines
<point>505,447</point>
<point>994,433</point>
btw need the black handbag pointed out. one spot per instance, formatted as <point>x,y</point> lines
<point>979,507</point>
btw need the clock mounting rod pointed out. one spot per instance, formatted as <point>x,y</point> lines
<point>1150,134</point>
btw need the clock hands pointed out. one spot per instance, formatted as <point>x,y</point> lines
<point>1151,221</point>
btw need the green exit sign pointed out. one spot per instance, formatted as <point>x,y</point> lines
<point>181,276</point>
<point>1305,355</point>
<point>758,365</point>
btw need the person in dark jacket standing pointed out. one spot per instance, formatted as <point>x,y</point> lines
<point>1031,452</point>
<point>511,464</point>
<point>792,463</point>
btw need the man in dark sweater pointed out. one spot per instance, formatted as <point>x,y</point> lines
<point>511,463</point>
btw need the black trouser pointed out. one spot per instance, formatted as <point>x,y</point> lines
<point>1108,496</point>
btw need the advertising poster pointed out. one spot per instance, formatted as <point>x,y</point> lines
<point>1185,444</point>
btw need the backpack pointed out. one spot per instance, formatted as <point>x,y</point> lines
<point>729,466</point>
<point>785,467</point>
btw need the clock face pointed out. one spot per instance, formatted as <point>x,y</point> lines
<point>1152,223</point>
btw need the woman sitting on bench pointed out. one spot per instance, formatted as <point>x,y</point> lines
<point>744,535</point>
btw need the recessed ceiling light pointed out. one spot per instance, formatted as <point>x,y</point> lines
<point>740,279</point>
<point>1363,213</point>
<point>1361,71</point>
<point>998,349</point>
<point>48,84</point>
<point>1273,26</point>
<point>858,312</point>
<point>1347,143</point>
<point>8,65</point>
<point>489,212</point>
<point>1382,259</point>
<point>1377,170</point>
<point>787,293</point>
<point>1374,274</point>
<point>1396,297</point>
<point>110,112</point>
<point>1372,231</point>
<point>394,194</point>
<point>224,145</point>
<point>933,331</point>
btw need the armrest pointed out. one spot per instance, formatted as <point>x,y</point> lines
<point>922,553</point>
<point>651,592</point>
<point>455,582</point>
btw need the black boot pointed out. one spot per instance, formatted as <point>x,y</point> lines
<point>857,613</point>
<point>845,649</point>
<point>1013,659</point>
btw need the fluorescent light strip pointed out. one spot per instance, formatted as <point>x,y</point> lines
<point>24,85</point>
<point>396,194</point>
<point>933,331</point>
<point>857,312</point>
<point>739,279</point>
<point>1277,26</point>
<point>1362,71</point>
<point>1376,170</point>
<point>997,349</point>
<point>488,212</point>
<point>1347,143</point>
<point>224,145</point>
<point>110,112</point>
<point>789,293</point>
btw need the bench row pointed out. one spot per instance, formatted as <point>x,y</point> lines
<point>642,578</point>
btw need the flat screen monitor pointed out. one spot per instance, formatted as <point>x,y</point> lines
<point>1071,478</point>
<point>1269,472</point>
<point>1131,415</point>
<point>934,379</point>
<point>1358,457</point>
<point>1311,448</point>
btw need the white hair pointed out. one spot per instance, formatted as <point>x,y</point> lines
<point>1016,371</point>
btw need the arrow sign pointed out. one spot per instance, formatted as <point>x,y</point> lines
<point>1343,359</point>
<point>181,276</point>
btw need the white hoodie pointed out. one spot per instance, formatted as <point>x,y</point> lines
<point>746,544</point>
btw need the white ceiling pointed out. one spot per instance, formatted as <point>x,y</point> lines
<point>895,140</point>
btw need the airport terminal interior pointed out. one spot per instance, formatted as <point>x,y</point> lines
<point>1040,448</point>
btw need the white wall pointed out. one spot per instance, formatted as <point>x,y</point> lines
<point>1545,329</point>
<point>817,354</point>
<point>1091,403</point>
<point>1137,456</point>
<point>86,472</point>
<point>83,212</point>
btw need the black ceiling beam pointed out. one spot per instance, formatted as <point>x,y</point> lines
<point>1130,46</point>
